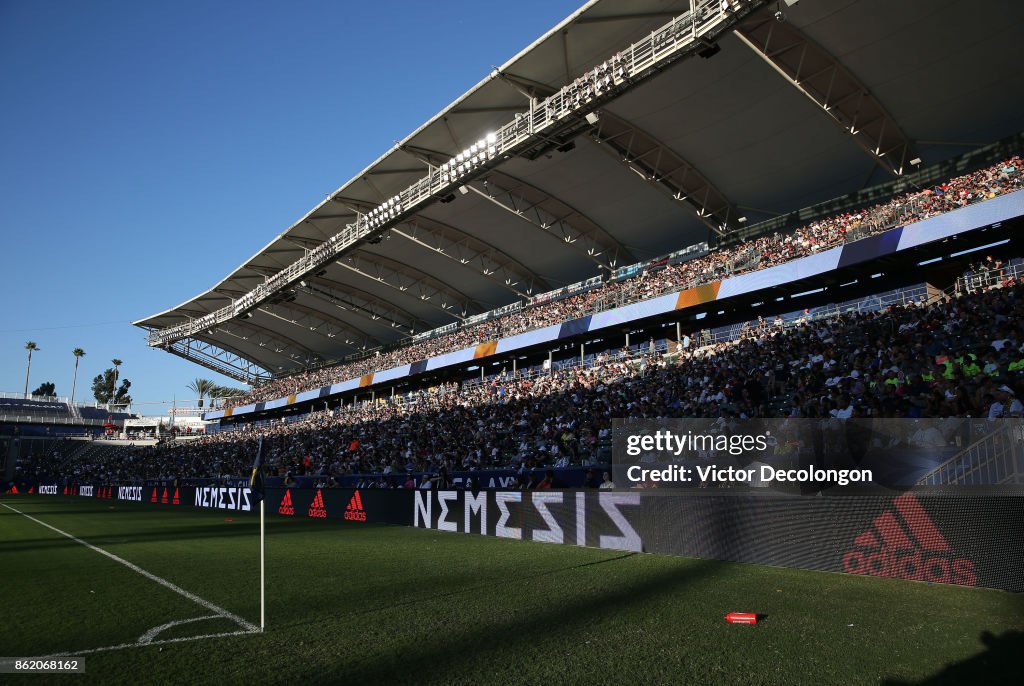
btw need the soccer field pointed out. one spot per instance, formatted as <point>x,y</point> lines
<point>371,604</point>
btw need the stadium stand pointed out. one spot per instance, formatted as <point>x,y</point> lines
<point>960,355</point>
<point>658,276</point>
<point>25,409</point>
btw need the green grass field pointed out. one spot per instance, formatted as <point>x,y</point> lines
<point>357,604</point>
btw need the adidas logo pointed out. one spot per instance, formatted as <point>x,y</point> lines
<point>286,507</point>
<point>914,549</point>
<point>355,512</point>
<point>163,498</point>
<point>177,498</point>
<point>317,508</point>
<point>153,498</point>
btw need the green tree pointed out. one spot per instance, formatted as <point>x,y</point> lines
<point>30,347</point>
<point>46,390</point>
<point>202,388</point>
<point>103,386</point>
<point>79,354</point>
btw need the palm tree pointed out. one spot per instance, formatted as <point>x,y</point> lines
<point>113,389</point>
<point>79,354</point>
<point>202,388</point>
<point>224,392</point>
<point>30,346</point>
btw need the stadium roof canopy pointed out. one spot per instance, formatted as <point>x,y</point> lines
<point>761,116</point>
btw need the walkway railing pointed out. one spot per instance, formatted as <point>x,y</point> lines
<point>995,459</point>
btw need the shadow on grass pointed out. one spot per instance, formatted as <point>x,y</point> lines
<point>462,591</point>
<point>184,529</point>
<point>434,656</point>
<point>1000,662</point>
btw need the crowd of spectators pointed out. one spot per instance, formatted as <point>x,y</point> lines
<point>760,253</point>
<point>962,357</point>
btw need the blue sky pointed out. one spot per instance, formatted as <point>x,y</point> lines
<point>150,148</point>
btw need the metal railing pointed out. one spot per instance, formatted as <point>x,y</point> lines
<point>913,295</point>
<point>902,297</point>
<point>976,281</point>
<point>36,398</point>
<point>997,458</point>
<point>48,419</point>
<point>873,222</point>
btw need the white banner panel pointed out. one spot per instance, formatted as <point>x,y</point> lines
<point>784,273</point>
<point>464,355</point>
<point>392,374</point>
<point>349,385</point>
<point>647,308</point>
<point>965,219</point>
<point>523,340</point>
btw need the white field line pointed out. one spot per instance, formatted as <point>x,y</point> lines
<point>247,626</point>
<point>157,630</point>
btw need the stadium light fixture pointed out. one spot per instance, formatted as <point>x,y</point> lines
<point>916,161</point>
<point>592,118</point>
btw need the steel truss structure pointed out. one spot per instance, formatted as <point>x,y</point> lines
<point>684,35</point>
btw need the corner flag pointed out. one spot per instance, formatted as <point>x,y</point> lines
<point>256,480</point>
<point>256,490</point>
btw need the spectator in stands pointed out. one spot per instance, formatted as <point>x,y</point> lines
<point>661,277</point>
<point>908,360</point>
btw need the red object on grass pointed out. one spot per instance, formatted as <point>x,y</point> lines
<point>741,618</point>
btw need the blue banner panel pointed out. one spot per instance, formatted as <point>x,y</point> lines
<point>575,327</point>
<point>870,248</point>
